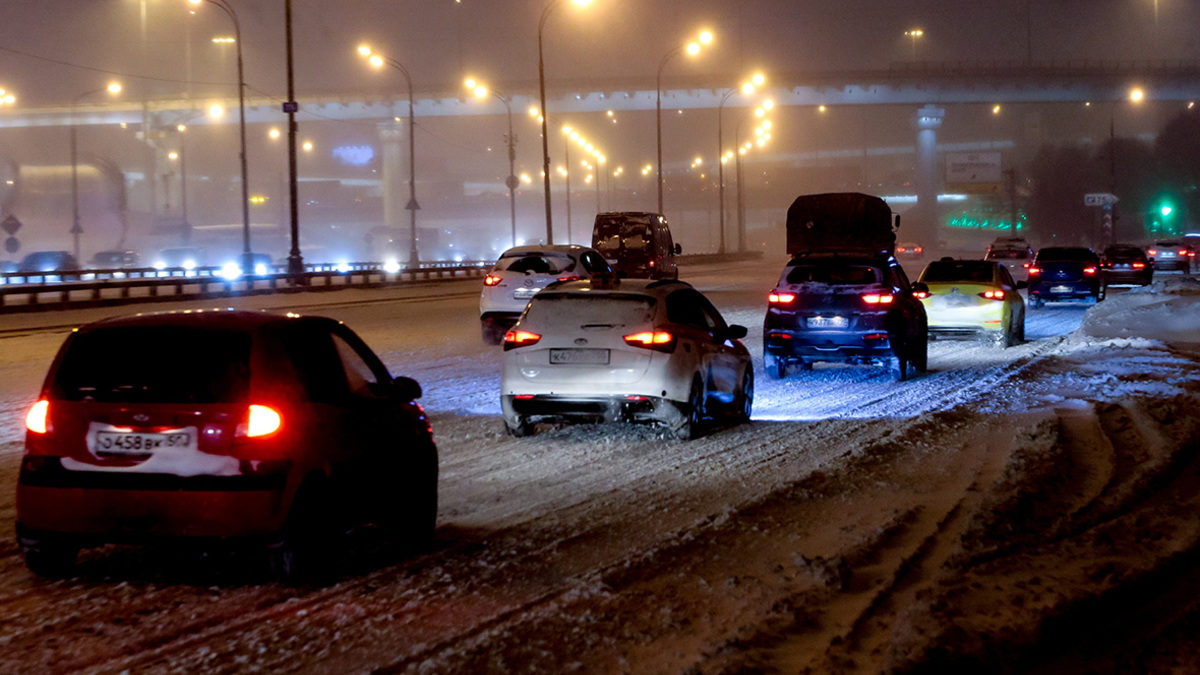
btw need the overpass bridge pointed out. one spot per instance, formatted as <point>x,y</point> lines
<point>927,86</point>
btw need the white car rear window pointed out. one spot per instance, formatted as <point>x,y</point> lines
<point>536,264</point>
<point>571,310</point>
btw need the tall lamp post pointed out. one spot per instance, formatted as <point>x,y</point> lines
<point>512,182</point>
<point>763,135</point>
<point>913,35</point>
<point>1136,95</point>
<point>692,49</point>
<point>76,226</point>
<point>247,258</point>
<point>746,89</point>
<point>544,114</point>
<point>379,60</point>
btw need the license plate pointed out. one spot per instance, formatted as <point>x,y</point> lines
<point>828,322</point>
<point>525,293</point>
<point>122,443</point>
<point>1062,289</point>
<point>591,357</point>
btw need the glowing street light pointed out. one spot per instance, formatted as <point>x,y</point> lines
<point>113,89</point>
<point>377,61</point>
<point>693,48</point>
<point>914,34</point>
<point>511,182</point>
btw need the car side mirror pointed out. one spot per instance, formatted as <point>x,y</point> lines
<point>406,388</point>
<point>678,249</point>
<point>736,332</point>
<point>1021,285</point>
<point>920,287</point>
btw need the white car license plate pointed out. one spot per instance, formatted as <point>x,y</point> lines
<point>524,293</point>
<point>124,443</point>
<point>591,357</point>
<point>828,322</point>
<point>1061,289</point>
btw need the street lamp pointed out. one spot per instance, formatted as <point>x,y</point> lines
<point>692,48</point>
<point>746,89</point>
<point>247,257</point>
<point>543,114</point>
<point>7,98</point>
<point>762,134</point>
<point>76,227</point>
<point>914,34</point>
<point>512,182</point>
<point>378,61</point>
<point>1136,96</point>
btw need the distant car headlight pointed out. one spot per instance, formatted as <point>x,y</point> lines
<point>189,265</point>
<point>342,267</point>
<point>230,271</point>
<point>159,265</point>
<point>260,269</point>
<point>391,267</point>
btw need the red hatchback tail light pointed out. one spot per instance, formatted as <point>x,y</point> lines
<point>1138,266</point>
<point>776,298</point>
<point>1089,270</point>
<point>263,421</point>
<point>992,295</point>
<point>878,298</point>
<point>1034,271</point>
<point>519,338</point>
<point>658,340</point>
<point>491,280</point>
<point>36,420</point>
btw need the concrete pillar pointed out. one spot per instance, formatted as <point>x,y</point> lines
<point>923,226</point>
<point>394,194</point>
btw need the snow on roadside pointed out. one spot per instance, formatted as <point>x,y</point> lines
<point>1167,311</point>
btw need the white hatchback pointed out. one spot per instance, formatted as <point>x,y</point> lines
<point>630,350</point>
<point>523,271</point>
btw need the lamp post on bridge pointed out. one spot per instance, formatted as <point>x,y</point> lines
<point>692,49</point>
<point>76,225</point>
<point>747,88</point>
<point>379,60</point>
<point>512,182</point>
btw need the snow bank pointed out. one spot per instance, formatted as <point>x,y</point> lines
<point>1166,311</point>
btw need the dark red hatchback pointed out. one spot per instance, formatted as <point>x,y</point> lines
<point>222,427</point>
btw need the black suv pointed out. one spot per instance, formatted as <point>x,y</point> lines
<point>854,308</point>
<point>1064,274</point>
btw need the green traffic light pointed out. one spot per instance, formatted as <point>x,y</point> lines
<point>1166,211</point>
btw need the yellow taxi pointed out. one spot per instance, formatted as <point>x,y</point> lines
<point>973,299</point>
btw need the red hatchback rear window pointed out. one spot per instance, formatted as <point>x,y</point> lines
<point>155,364</point>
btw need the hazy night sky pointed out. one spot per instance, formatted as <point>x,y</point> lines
<point>440,40</point>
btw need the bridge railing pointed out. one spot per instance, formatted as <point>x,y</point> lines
<point>1073,67</point>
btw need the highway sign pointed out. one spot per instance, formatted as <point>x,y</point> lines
<point>1099,199</point>
<point>974,172</point>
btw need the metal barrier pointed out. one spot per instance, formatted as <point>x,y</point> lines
<point>46,290</point>
<point>37,291</point>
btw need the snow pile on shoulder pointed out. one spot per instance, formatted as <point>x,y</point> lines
<point>1166,310</point>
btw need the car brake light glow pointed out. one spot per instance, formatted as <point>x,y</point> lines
<point>263,421</point>
<point>657,339</point>
<point>900,249</point>
<point>921,294</point>
<point>1153,251</point>
<point>520,338</point>
<point>1034,271</point>
<point>1089,270</point>
<point>781,298</point>
<point>1138,266</point>
<point>1183,251</point>
<point>878,299</point>
<point>523,397</point>
<point>1026,265</point>
<point>919,249</point>
<point>992,295</point>
<point>35,421</point>
<point>491,280</point>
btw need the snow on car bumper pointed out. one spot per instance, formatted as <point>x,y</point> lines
<point>624,408</point>
<point>828,345</point>
<point>117,507</point>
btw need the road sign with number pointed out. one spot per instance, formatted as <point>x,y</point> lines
<point>1100,199</point>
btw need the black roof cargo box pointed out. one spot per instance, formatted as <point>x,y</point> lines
<point>840,221</point>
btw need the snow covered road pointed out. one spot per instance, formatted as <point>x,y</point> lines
<point>857,524</point>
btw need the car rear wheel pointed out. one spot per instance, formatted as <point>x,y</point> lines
<point>1036,303</point>
<point>898,365</point>
<point>1102,293</point>
<point>692,412</point>
<point>776,368</point>
<point>493,334</point>
<point>50,559</point>
<point>304,553</point>
<point>521,429</point>
<point>920,360</point>
<point>414,523</point>
<point>746,397</point>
